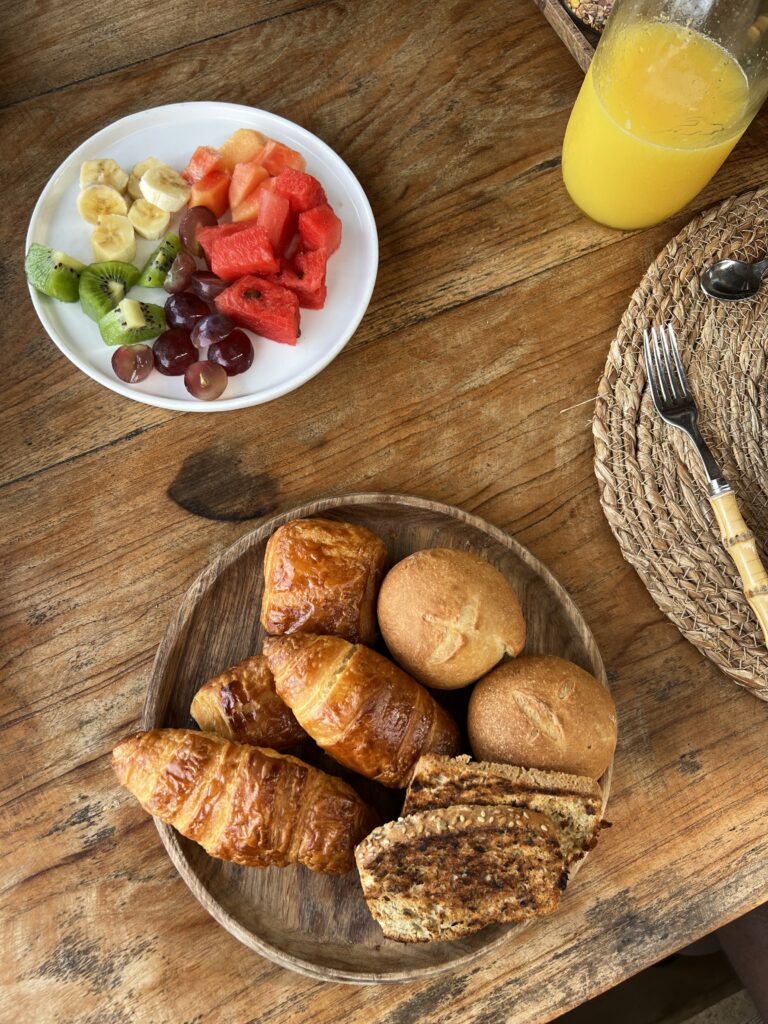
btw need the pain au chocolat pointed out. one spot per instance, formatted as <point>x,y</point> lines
<point>322,576</point>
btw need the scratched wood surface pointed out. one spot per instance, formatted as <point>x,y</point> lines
<point>470,382</point>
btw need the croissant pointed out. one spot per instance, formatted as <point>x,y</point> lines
<point>241,803</point>
<point>322,576</point>
<point>360,707</point>
<point>241,704</point>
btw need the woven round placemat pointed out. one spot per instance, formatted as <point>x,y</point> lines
<point>653,490</point>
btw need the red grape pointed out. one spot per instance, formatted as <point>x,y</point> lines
<point>205,380</point>
<point>234,353</point>
<point>214,327</point>
<point>174,352</point>
<point>178,277</point>
<point>196,217</point>
<point>184,310</point>
<point>132,363</point>
<point>207,285</point>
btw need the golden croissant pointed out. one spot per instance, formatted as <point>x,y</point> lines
<point>358,706</point>
<point>242,803</point>
<point>241,704</point>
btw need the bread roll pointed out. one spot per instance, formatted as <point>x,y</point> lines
<point>359,707</point>
<point>321,576</point>
<point>543,712</point>
<point>241,704</point>
<point>448,617</point>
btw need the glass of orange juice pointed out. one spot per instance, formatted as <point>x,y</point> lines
<point>671,89</point>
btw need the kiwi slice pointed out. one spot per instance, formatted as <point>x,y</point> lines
<point>132,321</point>
<point>103,285</point>
<point>155,270</point>
<point>53,273</point>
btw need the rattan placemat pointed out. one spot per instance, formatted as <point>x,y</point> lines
<point>652,487</point>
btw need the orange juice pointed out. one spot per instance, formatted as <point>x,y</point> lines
<point>657,114</point>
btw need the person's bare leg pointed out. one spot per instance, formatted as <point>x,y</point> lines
<point>745,943</point>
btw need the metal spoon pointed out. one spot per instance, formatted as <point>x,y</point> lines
<point>733,279</point>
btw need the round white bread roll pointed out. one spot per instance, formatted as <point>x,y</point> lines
<point>448,617</point>
<point>540,711</point>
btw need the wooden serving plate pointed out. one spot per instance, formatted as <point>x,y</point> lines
<point>316,924</point>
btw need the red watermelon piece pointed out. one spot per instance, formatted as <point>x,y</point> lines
<point>301,190</point>
<point>262,306</point>
<point>208,236</point>
<point>204,160</point>
<point>306,278</point>
<point>275,218</point>
<point>247,251</point>
<point>320,228</point>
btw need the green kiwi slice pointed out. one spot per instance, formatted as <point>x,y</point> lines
<point>103,285</point>
<point>155,270</point>
<point>53,273</point>
<point>132,321</point>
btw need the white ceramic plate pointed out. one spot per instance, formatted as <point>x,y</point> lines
<point>171,133</point>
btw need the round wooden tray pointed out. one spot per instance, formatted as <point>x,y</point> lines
<point>316,924</point>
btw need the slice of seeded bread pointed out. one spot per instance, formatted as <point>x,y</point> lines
<point>574,802</point>
<point>446,873</point>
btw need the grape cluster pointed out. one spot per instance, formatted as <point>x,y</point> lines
<point>203,345</point>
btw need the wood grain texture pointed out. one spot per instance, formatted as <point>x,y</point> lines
<point>317,926</point>
<point>470,382</point>
<point>576,41</point>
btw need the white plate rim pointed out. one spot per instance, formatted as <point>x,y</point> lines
<point>208,108</point>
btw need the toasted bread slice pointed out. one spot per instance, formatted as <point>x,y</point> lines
<point>574,802</point>
<point>446,873</point>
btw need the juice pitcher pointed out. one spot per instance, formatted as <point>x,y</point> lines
<point>671,89</point>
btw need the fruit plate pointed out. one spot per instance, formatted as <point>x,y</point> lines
<point>316,924</point>
<point>171,133</point>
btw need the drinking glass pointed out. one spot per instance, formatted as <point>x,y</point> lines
<point>671,89</point>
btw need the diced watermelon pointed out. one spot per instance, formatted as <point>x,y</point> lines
<point>243,252</point>
<point>211,191</point>
<point>246,178</point>
<point>320,228</point>
<point>276,157</point>
<point>306,277</point>
<point>301,190</point>
<point>275,217</point>
<point>204,160</point>
<point>207,236</point>
<point>243,145</point>
<point>262,306</point>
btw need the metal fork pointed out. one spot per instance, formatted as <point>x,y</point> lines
<point>675,404</point>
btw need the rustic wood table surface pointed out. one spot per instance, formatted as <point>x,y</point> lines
<point>469,381</point>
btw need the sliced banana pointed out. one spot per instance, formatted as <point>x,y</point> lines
<point>103,172</point>
<point>99,200</point>
<point>114,239</point>
<point>148,220</point>
<point>133,181</point>
<point>163,187</point>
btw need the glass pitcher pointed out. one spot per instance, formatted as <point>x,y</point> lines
<point>671,89</point>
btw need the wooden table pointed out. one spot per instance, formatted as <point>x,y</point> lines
<point>470,381</point>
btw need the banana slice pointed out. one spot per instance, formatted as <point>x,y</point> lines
<point>133,181</point>
<point>163,187</point>
<point>148,220</point>
<point>114,239</point>
<point>99,200</point>
<point>103,172</point>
